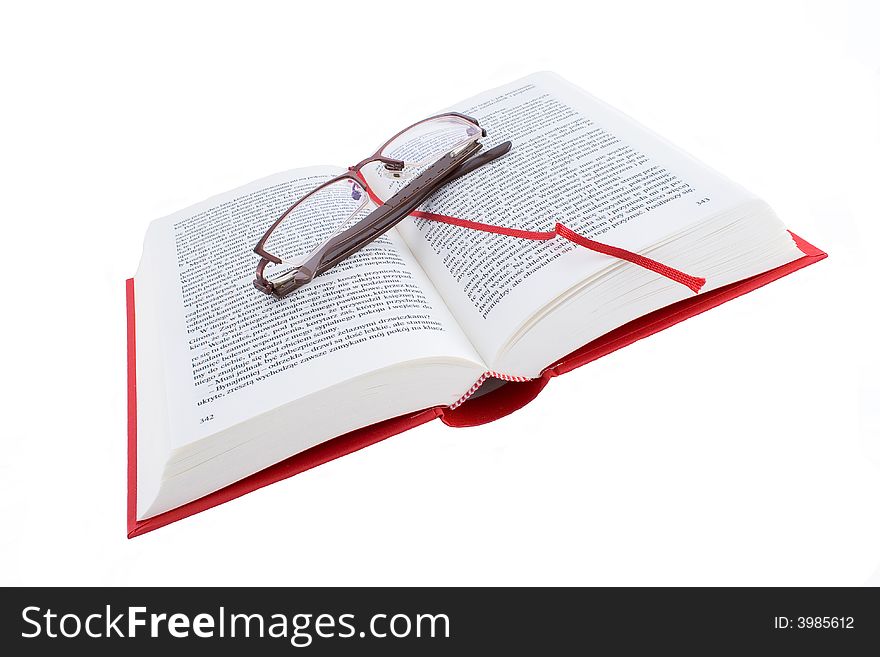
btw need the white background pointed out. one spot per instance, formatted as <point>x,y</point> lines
<point>741,447</point>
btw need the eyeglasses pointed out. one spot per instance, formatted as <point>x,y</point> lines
<point>344,214</point>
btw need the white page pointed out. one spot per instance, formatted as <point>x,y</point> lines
<point>231,352</point>
<point>574,160</point>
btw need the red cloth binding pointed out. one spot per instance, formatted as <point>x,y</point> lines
<point>695,283</point>
<point>477,410</point>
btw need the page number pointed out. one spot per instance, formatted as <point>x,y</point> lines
<point>207,418</point>
<point>705,199</point>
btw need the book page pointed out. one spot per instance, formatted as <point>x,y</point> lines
<point>231,352</point>
<point>576,161</point>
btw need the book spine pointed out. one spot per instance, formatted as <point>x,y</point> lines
<point>482,380</point>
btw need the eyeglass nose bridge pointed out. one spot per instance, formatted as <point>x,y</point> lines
<point>390,163</point>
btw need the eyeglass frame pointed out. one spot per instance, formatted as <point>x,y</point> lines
<point>456,163</point>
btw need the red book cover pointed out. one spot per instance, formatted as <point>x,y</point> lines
<point>475,411</point>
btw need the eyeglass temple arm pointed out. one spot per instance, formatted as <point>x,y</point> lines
<point>480,160</point>
<point>372,226</point>
<point>391,213</point>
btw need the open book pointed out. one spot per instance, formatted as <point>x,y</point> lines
<point>230,381</point>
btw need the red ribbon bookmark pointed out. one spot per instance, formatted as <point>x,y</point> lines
<point>694,283</point>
